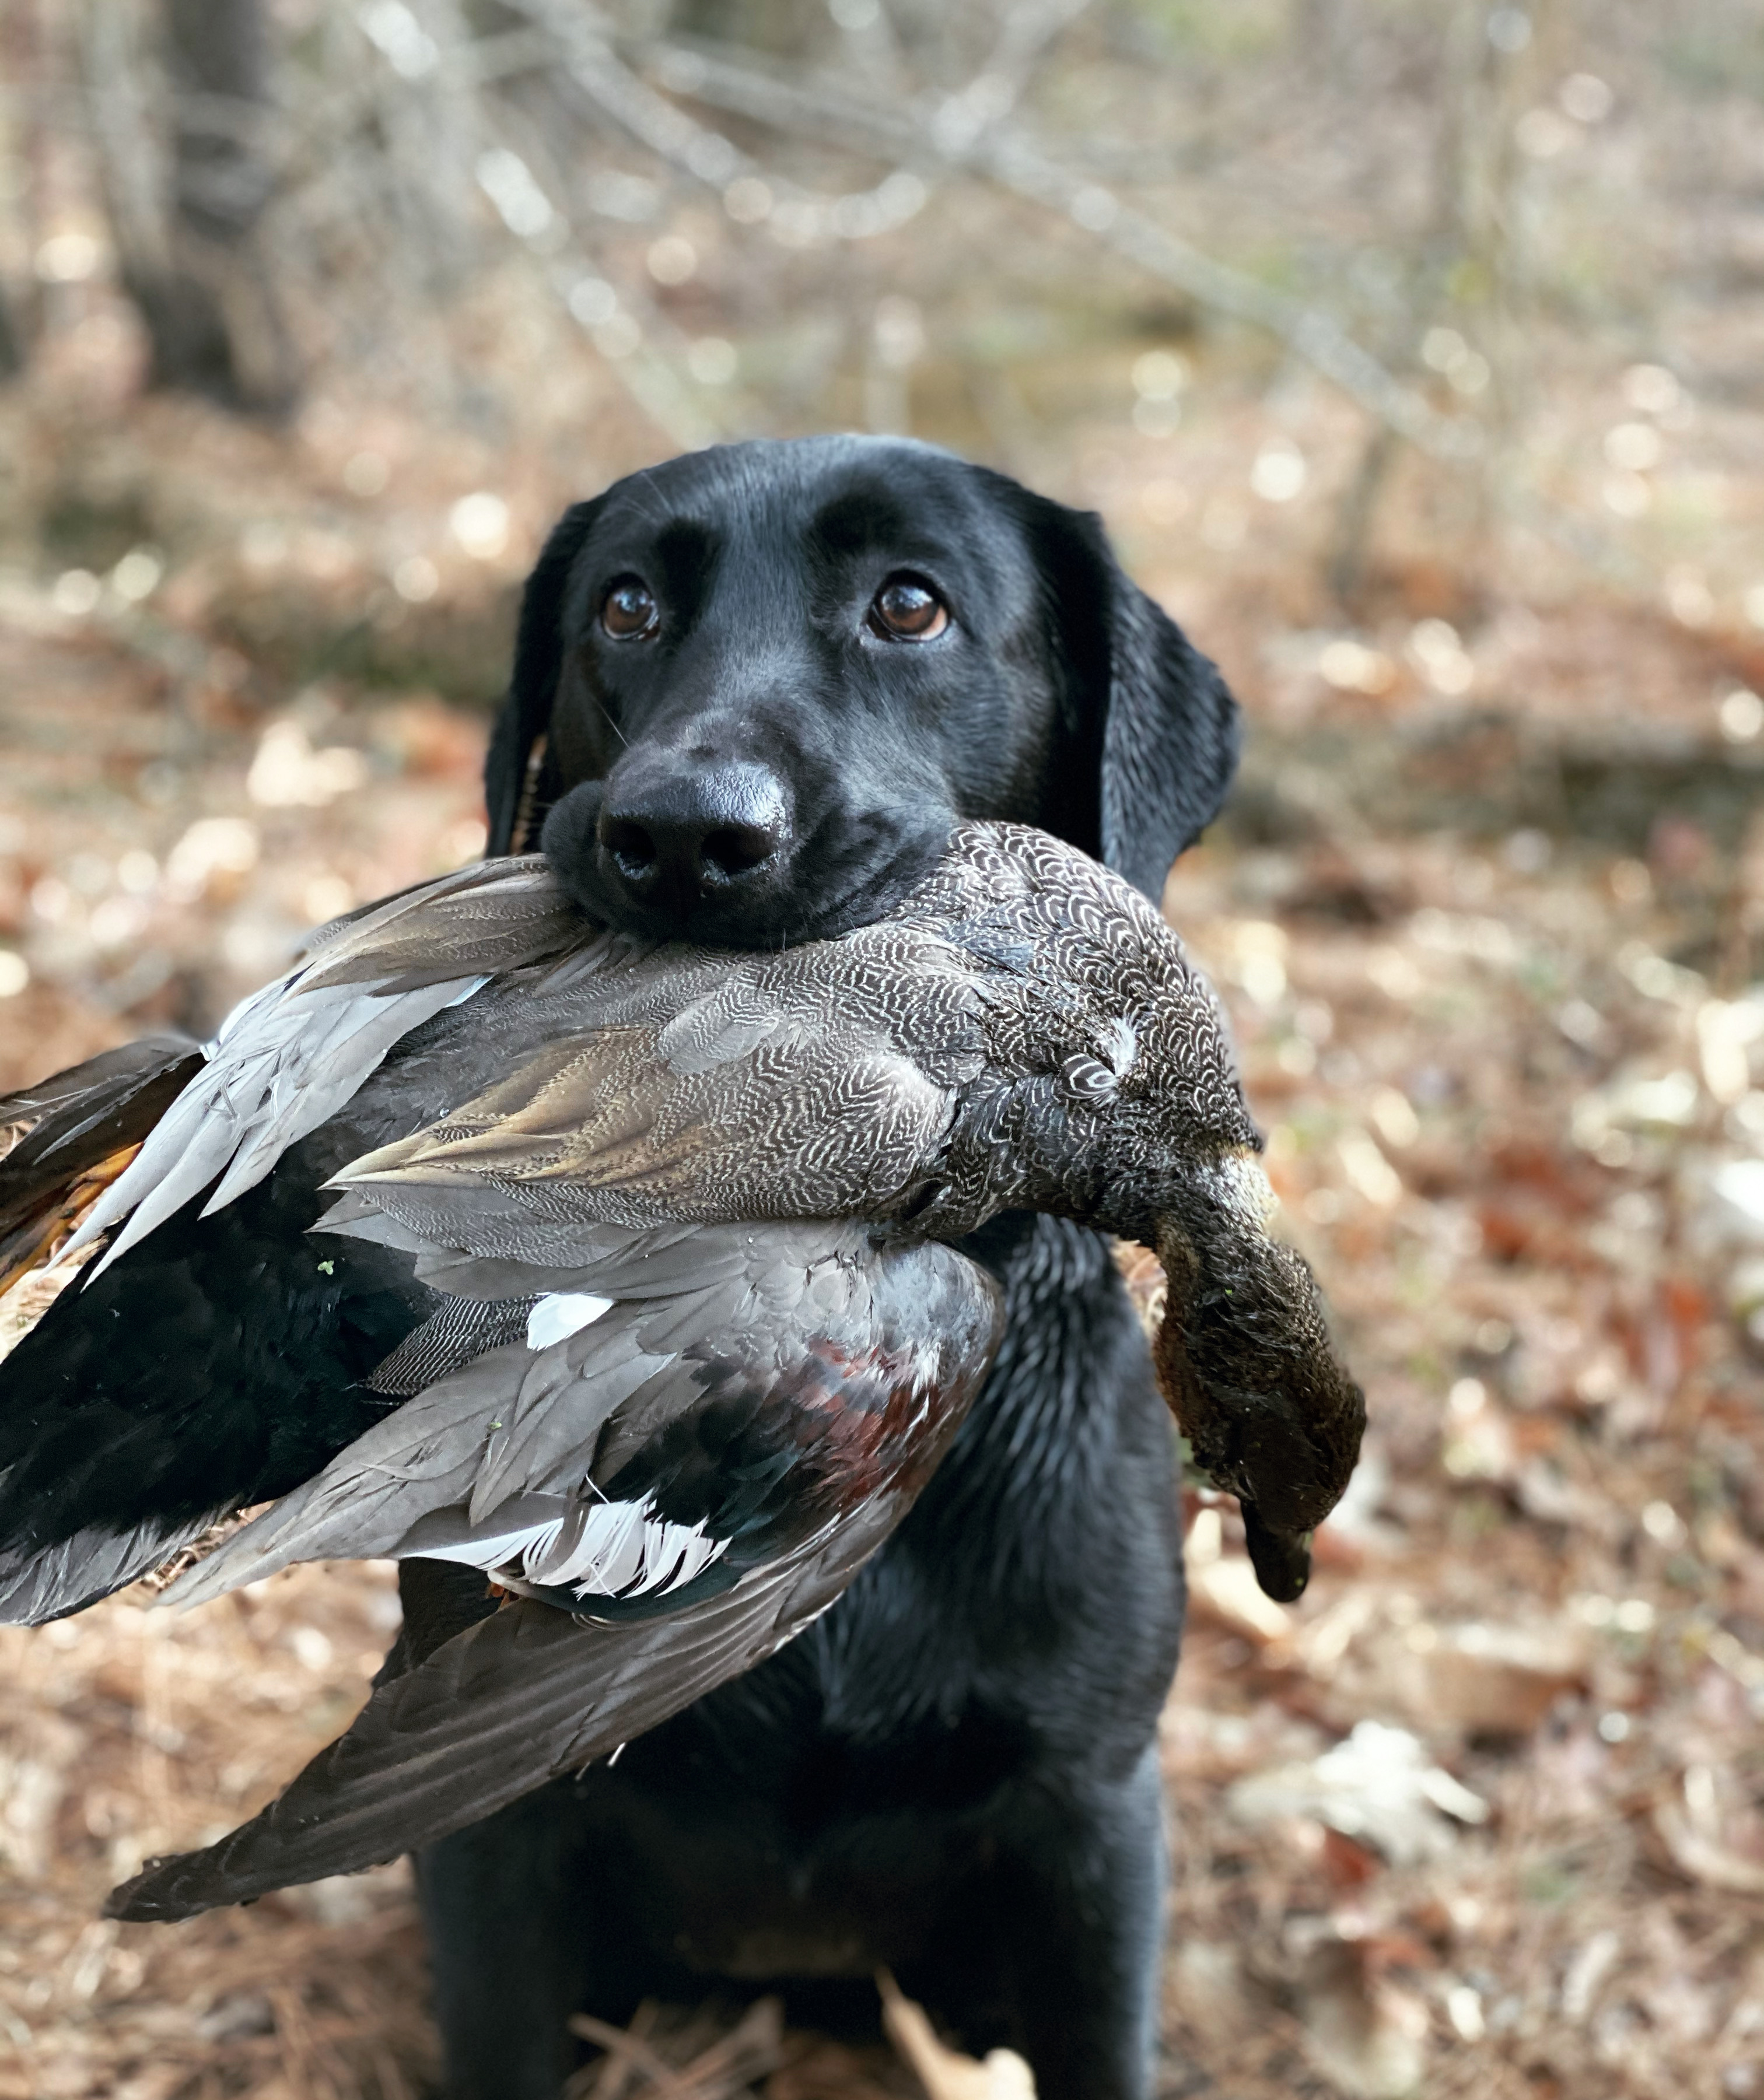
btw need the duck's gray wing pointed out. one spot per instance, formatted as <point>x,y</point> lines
<point>70,1129</point>
<point>290,1056</point>
<point>806,1477</point>
<point>524,1696</point>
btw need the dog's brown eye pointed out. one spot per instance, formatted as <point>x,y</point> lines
<point>905,609</point>
<point>628,610</point>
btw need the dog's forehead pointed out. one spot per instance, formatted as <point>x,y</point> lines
<point>813,500</point>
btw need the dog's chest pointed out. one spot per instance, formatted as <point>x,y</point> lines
<point>756,1841</point>
<point>821,1815</point>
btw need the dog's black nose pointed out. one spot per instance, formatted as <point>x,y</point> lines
<point>674,838</point>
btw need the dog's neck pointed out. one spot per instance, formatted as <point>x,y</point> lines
<point>1066,1310</point>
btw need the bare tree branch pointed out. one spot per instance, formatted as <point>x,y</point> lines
<point>1309,333</point>
<point>1010,159</point>
<point>584,43</point>
<point>1025,33</point>
<point>428,85</point>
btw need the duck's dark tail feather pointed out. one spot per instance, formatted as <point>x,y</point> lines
<point>67,1136</point>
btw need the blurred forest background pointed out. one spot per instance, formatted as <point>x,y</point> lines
<point>1413,351</point>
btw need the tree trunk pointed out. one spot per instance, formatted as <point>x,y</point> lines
<point>11,340</point>
<point>187,208</point>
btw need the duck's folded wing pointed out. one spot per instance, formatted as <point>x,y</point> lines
<point>523,1696</point>
<point>64,1137</point>
<point>492,1466</point>
<point>290,1056</point>
<point>804,1438</point>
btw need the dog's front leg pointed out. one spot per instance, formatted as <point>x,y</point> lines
<point>505,1947</point>
<point>512,1927</point>
<point>1079,1922</point>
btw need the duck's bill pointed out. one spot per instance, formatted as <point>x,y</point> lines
<point>1281,1559</point>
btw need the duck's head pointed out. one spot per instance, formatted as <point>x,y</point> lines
<point>1244,1360</point>
<point>1243,1353</point>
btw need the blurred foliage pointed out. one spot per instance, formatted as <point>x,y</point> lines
<point>730,208</point>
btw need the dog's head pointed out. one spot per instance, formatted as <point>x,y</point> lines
<point>766,678</point>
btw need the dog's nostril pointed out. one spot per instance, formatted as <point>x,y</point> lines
<point>736,847</point>
<point>631,846</point>
<point>673,838</point>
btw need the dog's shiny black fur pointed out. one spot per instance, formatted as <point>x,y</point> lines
<point>954,1772</point>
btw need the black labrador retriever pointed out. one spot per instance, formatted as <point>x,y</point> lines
<point>752,689</point>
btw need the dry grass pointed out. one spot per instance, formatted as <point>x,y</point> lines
<point>132,1731</point>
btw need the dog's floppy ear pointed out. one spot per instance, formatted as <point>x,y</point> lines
<point>1152,730</point>
<point>533,687</point>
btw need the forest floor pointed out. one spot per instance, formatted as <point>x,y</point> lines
<point>1481,1815</point>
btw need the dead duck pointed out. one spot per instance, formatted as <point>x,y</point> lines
<point>625,1275</point>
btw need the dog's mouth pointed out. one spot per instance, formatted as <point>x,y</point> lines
<point>738,884</point>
